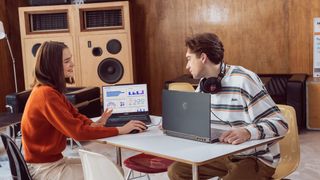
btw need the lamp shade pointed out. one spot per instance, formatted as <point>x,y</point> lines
<point>2,33</point>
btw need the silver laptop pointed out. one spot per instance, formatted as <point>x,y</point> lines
<point>187,115</point>
<point>129,102</point>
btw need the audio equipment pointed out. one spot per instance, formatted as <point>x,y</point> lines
<point>97,34</point>
<point>105,44</point>
<point>213,84</point>
<point>313,100</point>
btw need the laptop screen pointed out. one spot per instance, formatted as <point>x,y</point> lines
<point>125,98</point>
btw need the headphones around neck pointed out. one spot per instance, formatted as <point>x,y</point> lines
<point>213,84</point>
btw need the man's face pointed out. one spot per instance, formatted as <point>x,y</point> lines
<point>194,65</point>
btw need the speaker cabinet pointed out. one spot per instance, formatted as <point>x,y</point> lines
<point>105,44</point>
<point>97,34</point>
<point>313,103</point>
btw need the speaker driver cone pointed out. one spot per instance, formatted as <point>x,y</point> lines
<point>110,70</point>
<point>114,46</point>
<point>97,51</point>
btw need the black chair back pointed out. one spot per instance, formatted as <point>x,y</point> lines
<point>18,166</point>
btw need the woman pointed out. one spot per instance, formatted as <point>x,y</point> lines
<point>49,118</point>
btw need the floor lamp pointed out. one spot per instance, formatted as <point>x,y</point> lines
<point>3,35</point>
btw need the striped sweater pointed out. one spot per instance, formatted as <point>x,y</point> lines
<point>243,101</point>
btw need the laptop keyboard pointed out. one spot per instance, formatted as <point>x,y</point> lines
<point>120,119</point>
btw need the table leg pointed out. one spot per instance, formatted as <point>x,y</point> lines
<point>118,153</point>
<point>194,172</point>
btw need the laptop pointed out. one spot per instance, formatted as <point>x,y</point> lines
<point>128,101</point>
<point>188,115</point>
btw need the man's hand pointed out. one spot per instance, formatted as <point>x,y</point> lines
<point>235,136</point>
<point>104,117</point>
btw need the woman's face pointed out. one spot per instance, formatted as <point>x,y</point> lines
<point>67,63</point>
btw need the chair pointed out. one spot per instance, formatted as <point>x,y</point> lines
<point>97,166</point>
<point>289,145</point>
<point>18,166</point>
<point>181,86</point>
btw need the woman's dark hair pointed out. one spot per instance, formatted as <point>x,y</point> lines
<point>208,43</point>
<point>49,66</point>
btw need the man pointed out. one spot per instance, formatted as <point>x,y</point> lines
<point>240,100</point>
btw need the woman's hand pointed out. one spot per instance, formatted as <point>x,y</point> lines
<point>104,117</point>
<point>131,125</point>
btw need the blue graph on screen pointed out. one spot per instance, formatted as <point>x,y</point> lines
<point>114,93</point>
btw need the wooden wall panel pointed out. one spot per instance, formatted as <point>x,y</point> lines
<point>255,34</point>
<point>5,65</point>
<point>158,39</point>
<point>15,39</point>
<point>300,36</point>
<point>9,17</point>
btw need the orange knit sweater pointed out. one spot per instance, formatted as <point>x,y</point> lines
<point>48,119</point>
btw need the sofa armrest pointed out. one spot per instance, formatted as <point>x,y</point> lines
<point>86,99</point>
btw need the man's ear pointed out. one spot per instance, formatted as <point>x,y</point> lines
<point>203,57</point>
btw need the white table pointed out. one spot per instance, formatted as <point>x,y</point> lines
<point>195,153</point>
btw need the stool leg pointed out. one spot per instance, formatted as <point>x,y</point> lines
<point>129,174</point>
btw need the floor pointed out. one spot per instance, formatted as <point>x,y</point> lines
<point>309,168</point>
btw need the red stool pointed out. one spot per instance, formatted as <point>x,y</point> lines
<point>147,164</point>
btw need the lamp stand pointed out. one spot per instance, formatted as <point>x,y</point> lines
<point>13,65</point>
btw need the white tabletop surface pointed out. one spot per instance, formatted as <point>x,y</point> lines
<point>154,142</point>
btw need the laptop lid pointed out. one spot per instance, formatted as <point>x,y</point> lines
<point>187,115</point>
<point>126,99</point>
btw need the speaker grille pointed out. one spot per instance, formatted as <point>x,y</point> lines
<point>49,22</point>
<point>101,19</point>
